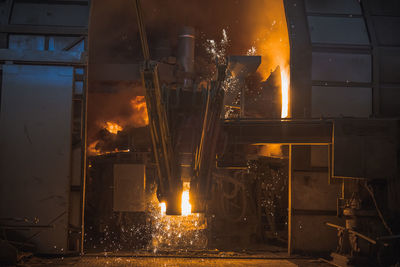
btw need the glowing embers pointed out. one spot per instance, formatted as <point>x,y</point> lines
<point>285,92</point>
<point>185,206</point>
<point>112,127</point>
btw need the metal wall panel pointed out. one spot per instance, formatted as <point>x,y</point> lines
<point>341,101</point>
<point>312,203</point>
<point>313,191</point>
<point>58,43</point>
<point>338,30</point>
<point>383,7</point>
<point>390,101</point>
<point>341,67</point>
<point>389,65</point>
<point>387,30</point>
<point>313,235</point>
<point>366,148</point>
<point>27,13</point>
<point>319,156</point>
<point>35,144</point>
<point>300,59</point>
<point>76,167</point>
<point>129,187</point>
<point>26,42</point>
<point>333,7</point>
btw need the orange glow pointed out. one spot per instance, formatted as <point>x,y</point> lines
<point>271,150</point>
<point>285,92</point>
<point>175,232</point>
<point>271,41</point>
<point>163,208</point>
<point>92,148</point>
<point>113,127</point>
<point>140,116</point>
<point>185,206</point>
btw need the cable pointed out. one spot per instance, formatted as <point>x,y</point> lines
<point>370,191</point>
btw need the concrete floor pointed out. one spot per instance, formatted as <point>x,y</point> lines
<point>97,261</point>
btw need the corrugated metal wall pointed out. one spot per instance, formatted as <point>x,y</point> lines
<point>345,57</point>
<point>42,122</point>
<point>344,63</point>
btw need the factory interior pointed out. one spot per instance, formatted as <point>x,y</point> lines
<point>200,133</point>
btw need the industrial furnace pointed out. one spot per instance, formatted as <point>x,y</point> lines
<point>183,127</point>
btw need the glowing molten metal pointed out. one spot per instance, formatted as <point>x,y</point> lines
<point>186,207</point>
<point>271,41</point>
<point>163,208</point>
<point>285,92</point>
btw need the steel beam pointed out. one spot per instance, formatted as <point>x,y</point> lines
<point>44,57</point>
<point>44,30</point>
<point>253,131</point>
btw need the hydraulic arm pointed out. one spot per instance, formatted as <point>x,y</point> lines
<point>169,186</point>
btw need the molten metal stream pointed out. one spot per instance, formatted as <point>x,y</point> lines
<point>285,92</point>
<point>163,207</point>
<point>186,207</point>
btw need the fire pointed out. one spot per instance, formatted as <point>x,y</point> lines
<point>175,232</point>
<point>271,41</point>
<point>140,116</point>
<point>163,208</point>
<point>285,92</point>
<point>92,148</point>
<point>185,206</point>
<point>113,127</point>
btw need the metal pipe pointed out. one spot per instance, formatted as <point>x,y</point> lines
<point>186,48</point>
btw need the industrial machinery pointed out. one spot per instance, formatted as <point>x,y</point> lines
<point>266,165</point>
<point>174,126</point>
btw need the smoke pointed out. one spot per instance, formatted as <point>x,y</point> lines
<point>117,102</point>
<point>256,27</point>
<point>269,35</point>
<point>258,23</point>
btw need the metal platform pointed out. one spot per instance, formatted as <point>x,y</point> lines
<point>259,131</point>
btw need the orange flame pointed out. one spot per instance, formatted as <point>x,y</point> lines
<point>140,116</point>
<point>272,43</point>
<point>185,206</point>
<point>92,148</point>
<point>163,208</point>
<point>112,127</point>
<point>285,92</point>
